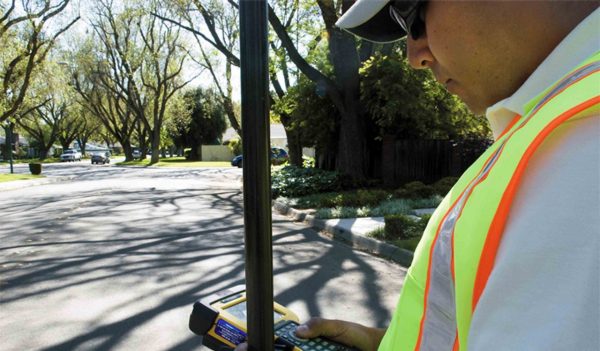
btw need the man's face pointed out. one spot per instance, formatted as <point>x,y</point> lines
<point>469,48</point>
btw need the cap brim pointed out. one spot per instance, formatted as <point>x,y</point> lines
<point>371,20</point>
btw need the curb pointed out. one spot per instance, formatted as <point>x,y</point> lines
<point>358,241</point>
<point>20,184</point>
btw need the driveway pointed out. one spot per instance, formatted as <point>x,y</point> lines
<point>114,259</point>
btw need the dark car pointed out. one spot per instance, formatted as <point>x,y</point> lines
<point>101,157</point>
<point>278,156</point>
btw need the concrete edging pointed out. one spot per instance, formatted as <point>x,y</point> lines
<point>361,242</point>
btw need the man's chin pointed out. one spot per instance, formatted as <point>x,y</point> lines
<point>476,107</point>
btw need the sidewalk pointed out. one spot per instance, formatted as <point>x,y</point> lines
<point>352,231</point>
<point>20,184</point>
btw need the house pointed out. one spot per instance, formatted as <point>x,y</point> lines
<point>277,134</point>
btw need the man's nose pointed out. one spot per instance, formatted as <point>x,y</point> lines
<point>418,52</point>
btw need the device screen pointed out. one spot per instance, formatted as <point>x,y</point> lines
<point>239,312</point>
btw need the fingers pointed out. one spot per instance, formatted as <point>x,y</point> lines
<point>242,347</point>
<point>316,326</point>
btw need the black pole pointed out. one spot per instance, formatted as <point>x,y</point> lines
<point>256,164</point>
<point>9,136</point>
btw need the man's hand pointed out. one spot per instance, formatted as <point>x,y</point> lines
<point>347,333</point>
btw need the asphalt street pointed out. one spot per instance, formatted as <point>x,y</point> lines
<point>115,258</point>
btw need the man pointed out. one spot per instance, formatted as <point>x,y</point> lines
<point>510,260</point>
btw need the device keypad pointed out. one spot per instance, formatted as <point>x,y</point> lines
<point>287,329</point>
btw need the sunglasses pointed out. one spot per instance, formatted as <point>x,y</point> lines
<point>410,16</point>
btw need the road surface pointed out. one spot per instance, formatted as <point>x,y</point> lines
<point>115,258</point>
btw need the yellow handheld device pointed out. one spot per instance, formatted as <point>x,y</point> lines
<point>221,320</point>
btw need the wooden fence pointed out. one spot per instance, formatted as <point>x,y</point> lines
<point>426,160</point>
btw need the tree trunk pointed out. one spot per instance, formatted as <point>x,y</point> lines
<point>127,150</point>
<point>155,145</point>
<point>195,153</point>
<point>295,149</point>
<point>83,144</point>
<point>351,151</point>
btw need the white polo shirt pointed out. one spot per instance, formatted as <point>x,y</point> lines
<point>544,291</point>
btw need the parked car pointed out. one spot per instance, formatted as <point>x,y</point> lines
<point>136,154</point>
<point>101,157</point>
<point>278,156</point>
<point>70,155</point>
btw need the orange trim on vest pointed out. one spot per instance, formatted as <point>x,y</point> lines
<point>514,121</point>
<point>456,342</point>
<point>450,208</point>
<point>494,236</point>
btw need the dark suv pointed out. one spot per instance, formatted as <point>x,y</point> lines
<point>101,157</point>
<point>278,156</point>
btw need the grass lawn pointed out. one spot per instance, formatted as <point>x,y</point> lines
<point>12,177</point>
<point>407,244</point>
<point>32,160</point>
<point>176,162</point>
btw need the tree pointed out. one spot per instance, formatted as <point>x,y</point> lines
<point>223,34</point>
<point>351,155</point>
<point>221,21</point>
<point>88,127</point>
<point>204,124</point>
<point>410,104</point>
<point>160,72</point>
<point>306,109</point>
<point>96,96</point>
<point>43,124</point>
<point>26,41</point>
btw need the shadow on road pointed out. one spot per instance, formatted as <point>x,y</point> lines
<point>164,245</point>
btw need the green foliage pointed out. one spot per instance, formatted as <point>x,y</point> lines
<point>443,186</point>
<point>400,227</point>
<point>291,181</point>
<point>202,121</point>
<point>308,161</point>
<point>409,103</point>
<point>235,145</point>
<point>363,197</point>
<point>407,244</point>
<point>308,110</point>
<point>388,207</point>
<point>414,190</point>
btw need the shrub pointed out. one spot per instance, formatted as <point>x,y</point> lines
<point>359,198</point>
<point>443,186</point>
<point>397,226</point>
<point>397,206</point>
<point>291,181</point>
<point>401,227</point>
<point>414,190</point>
<point>235,145</point>
<point>308,161</point>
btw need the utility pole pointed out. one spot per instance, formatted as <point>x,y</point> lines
<point>254,56</point>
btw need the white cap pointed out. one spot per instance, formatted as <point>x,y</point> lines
<point>371,20</point>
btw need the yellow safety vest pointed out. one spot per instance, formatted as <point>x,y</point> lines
<point>456,255</point>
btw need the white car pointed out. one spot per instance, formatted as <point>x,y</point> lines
<point>70,155</point>
<point>136,154</point>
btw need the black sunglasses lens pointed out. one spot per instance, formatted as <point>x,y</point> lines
<point>398,19</point>
<point>409,18</point>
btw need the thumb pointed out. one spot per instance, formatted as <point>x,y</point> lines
<point>315,327</point>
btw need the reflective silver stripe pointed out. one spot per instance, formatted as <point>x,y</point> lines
<point>439,328</point>
<point>585,70</point>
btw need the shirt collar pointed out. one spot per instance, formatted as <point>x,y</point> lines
<point>572,50</point>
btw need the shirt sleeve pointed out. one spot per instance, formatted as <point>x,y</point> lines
<point>543,293</point>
